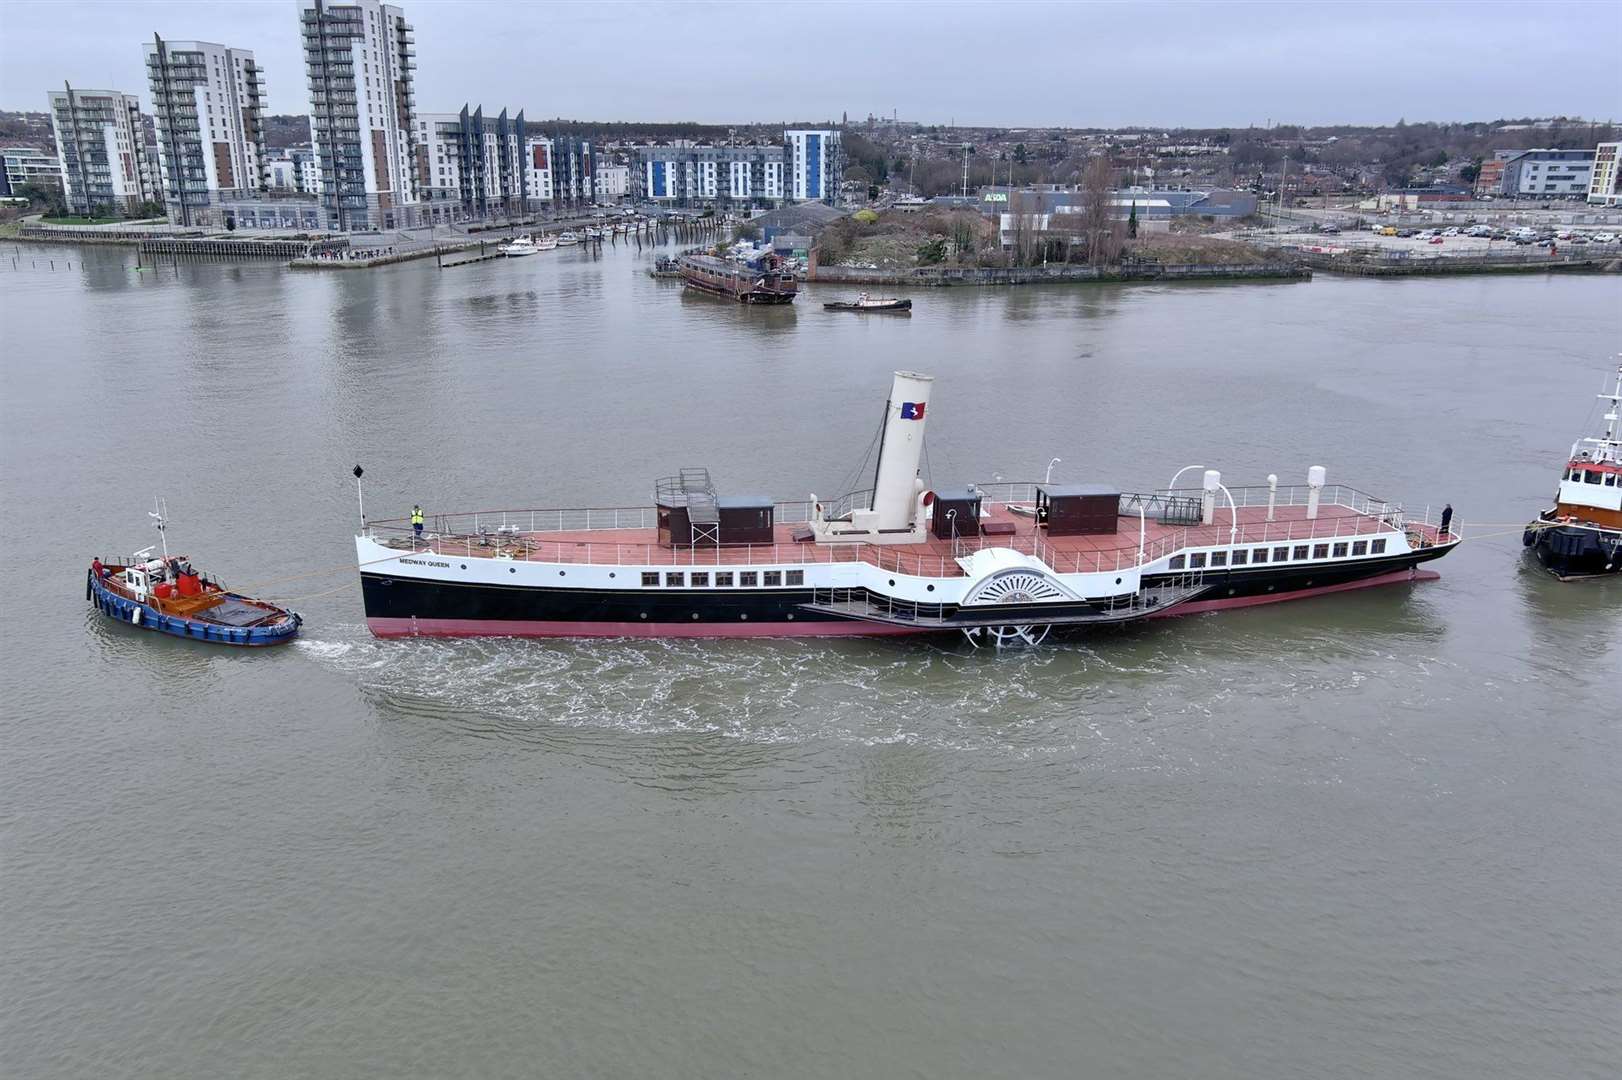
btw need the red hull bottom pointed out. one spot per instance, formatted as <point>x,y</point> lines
<point>1395,577</point>
<point>390,628</point>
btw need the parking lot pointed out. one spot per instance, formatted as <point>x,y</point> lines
<point>1423,246</point>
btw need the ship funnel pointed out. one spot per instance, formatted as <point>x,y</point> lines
<point>1272,494</point>
<point>1315,486</point>
<point>895,490</point>
<point>1213,481</point>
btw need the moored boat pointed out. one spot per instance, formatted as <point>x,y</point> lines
<point>1580,536</point>
<point>165,594</point>
<point>519,246</point>
<point>567,237</point>
<point>546,242</point>
<point>767,282</point>
<point>864,302</point>
<point>892,559</point>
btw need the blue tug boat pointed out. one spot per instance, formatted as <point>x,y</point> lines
<point>165,594</point>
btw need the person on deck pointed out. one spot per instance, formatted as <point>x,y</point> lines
<point>416,521</point>
<point>1447,523</point>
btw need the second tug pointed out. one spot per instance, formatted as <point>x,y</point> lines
<point>1000,563</point>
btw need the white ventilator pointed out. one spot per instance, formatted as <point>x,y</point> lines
<point>1213,481</point>
<point>895,494</point>
<point>1272,494</point>
<point>1315,486</point>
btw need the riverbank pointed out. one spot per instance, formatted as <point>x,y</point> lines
<point>945,276</point>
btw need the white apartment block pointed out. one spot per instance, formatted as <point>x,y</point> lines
<point>360,62</point>
<point>538,175</point>
<point>697,175</point>
<point>208,104</point>
<point>471,167</point>
<point>816,163</point>
<point>100,142</point>
<point>612,182</point>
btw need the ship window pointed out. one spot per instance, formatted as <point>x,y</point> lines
<point>1300,551</point>
<point>1219,558</point>
<point>1281,554</point>
<point>675,581</point>
<point>723,579</point>
<point>1360,548</point>
<point>650,577</point>
<point>1196,560</point>
<point>1258,555</point>
<point>772,577</point>
<point>701,580</point>
<point>1320,551</point>
<point>1340,551</point>
<point>1377,547</point>
<point>748,579</point>
<point>1240,557</point>
<point>1575,474</point>
<point>1592,477</point>
<point>796,577</point>
<point>1177,562</point>
<point>1610,479</point>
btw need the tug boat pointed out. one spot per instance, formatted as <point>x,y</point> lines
<point>864,302</point>
<point>1580,536</point>
<point>520,246</point>
<point>772,283</point>
<point>894,559</point>
<point>165,594</point>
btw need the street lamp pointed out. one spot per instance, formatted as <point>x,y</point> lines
<point>1049,474</point>
<point>1171,487</point>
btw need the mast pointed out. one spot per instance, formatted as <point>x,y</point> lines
<point>160,516</point>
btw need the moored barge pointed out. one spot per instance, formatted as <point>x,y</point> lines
<point>768,283</point>
<point>996,562</point>
<point>1580,536</point>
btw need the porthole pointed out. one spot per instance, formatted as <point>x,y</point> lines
<point>695,614</point>
<point>644,615</point>
<point>1232,591</point>
<point>464,566</point>
<point>560,573</point>
<point>892,583</point>
<point>791,616</point>
<point>929,588</point>
<point>1270,588</point>
<point>1117,581</point>
<point>744,616</point>
<point>611,573</point>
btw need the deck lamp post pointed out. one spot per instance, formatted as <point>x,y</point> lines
<point>1049,474</point>
<point>1171,487</point>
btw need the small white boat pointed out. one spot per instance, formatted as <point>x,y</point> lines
<point>546,243</point>
<point>593,233</point>
<point>566,238</point>
<point>522,245</point>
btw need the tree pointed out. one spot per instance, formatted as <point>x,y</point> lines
<point>1471,172</point>
<point>1096,182</point>
<point>1132,221</point>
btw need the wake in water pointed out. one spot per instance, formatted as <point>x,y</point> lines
<point>1057,699</point>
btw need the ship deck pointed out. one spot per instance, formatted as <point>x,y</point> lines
<point>933,557</point>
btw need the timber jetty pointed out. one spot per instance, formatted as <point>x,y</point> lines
<point>941,276</point>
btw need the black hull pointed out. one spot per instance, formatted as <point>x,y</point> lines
<point>1575,551</point>
<point>403,605</point>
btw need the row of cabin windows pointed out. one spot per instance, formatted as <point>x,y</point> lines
<point>724,579</point>
<point>1592,476</point>
<point>1200,560</point>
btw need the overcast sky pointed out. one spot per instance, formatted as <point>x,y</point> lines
<point>986,62</point>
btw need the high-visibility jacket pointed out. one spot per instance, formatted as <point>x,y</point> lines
<point>416,517</point>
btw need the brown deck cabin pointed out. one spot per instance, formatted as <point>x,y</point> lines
<point>772,283</point>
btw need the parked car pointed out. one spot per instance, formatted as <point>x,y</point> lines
<point>1603,238</point>
<point>1436,240</point>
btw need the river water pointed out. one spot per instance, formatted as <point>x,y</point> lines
<point>1373,834</point>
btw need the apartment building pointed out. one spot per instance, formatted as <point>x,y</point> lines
<point>100,145</point>
<point>208,104</point>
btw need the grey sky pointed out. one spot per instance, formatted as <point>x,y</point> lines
<point>985,62</point>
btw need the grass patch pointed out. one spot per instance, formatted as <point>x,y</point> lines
<point>80,220</point>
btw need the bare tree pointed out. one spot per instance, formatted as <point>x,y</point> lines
<point>1096,182</point>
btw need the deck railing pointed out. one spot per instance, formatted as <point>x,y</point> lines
<point>519,534</point>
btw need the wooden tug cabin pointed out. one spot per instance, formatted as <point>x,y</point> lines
<point>1078,509</point>
<point>691,514</point>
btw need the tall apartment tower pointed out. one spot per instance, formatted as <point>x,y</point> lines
<point>101,143</point>
<point>816,162</point>
<point>360,57</point>
<point>209,104</point>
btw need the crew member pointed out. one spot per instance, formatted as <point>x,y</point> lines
<point>1447,520</point>
<point>416,520</point>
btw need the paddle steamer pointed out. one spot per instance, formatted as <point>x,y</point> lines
<point>999,562</point>
<point>1580,536</point>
